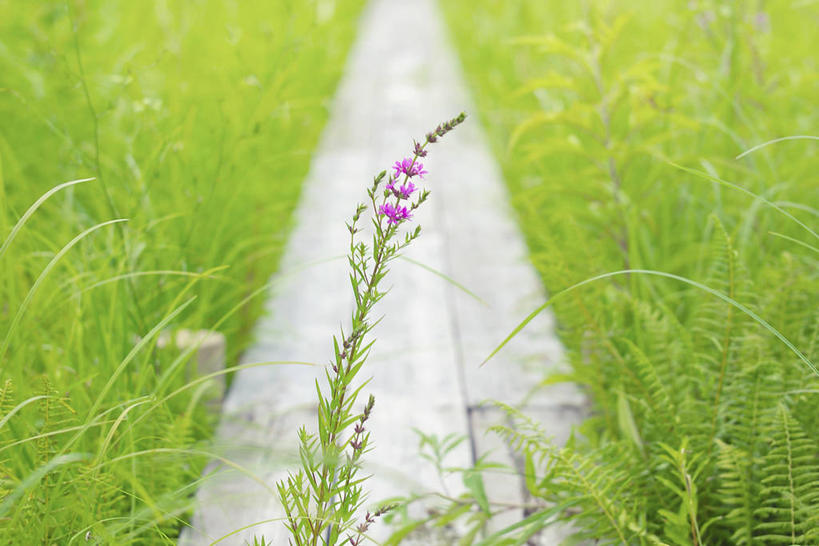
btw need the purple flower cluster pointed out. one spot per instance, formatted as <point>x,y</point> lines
<point>403,191</point>
<point>408,167</point>
<point>394,214</point>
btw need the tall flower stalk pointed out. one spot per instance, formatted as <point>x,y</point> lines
<point>321,499</point>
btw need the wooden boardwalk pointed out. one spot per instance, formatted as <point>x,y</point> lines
<point>402,79</point>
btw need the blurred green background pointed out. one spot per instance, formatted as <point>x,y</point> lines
<point>618,126</point>
<point>197,121</point>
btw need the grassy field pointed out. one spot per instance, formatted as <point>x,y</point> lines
<point>151,154</point>
<point>196,121</point>
<point>619,126</point>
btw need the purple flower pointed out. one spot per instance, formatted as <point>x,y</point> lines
<point>406,189</point>
<point>404,166</point>
<point>391,184</point>
<point>403,191</point>
<point>407,167</point>
<point>394,214</point>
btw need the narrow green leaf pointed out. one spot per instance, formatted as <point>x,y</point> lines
<point>625,419</point>
<point>474,482</point>
<point>696,284</point>
<point>32,209</point>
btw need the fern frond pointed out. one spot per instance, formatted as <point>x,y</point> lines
<point>6,397</point>
<point>789,512</point>
<point>739,491</point>
<point>524,434</point>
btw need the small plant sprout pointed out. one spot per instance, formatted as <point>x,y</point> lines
<point>321,499</point>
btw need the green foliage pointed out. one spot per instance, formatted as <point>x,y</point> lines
<point>195,121</point>
<point>787,511</point>
<point>618,125</point>
<point>321,499</point>
<point>457,520</point>
<point>260,541</point>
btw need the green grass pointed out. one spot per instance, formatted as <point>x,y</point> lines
<point>196,121</point>
<point>618,126</point>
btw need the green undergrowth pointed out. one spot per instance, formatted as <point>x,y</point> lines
<point>195,121</point>
<point>618,126</point>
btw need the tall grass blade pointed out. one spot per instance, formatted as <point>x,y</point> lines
<point>34,478</point>
<point>696,284</point>
<point>33,208</point>
<point>57,257</point>
<point>447,278</point>
<point>774,141</point>
<point>148,338</point>
<point>745,191</point>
